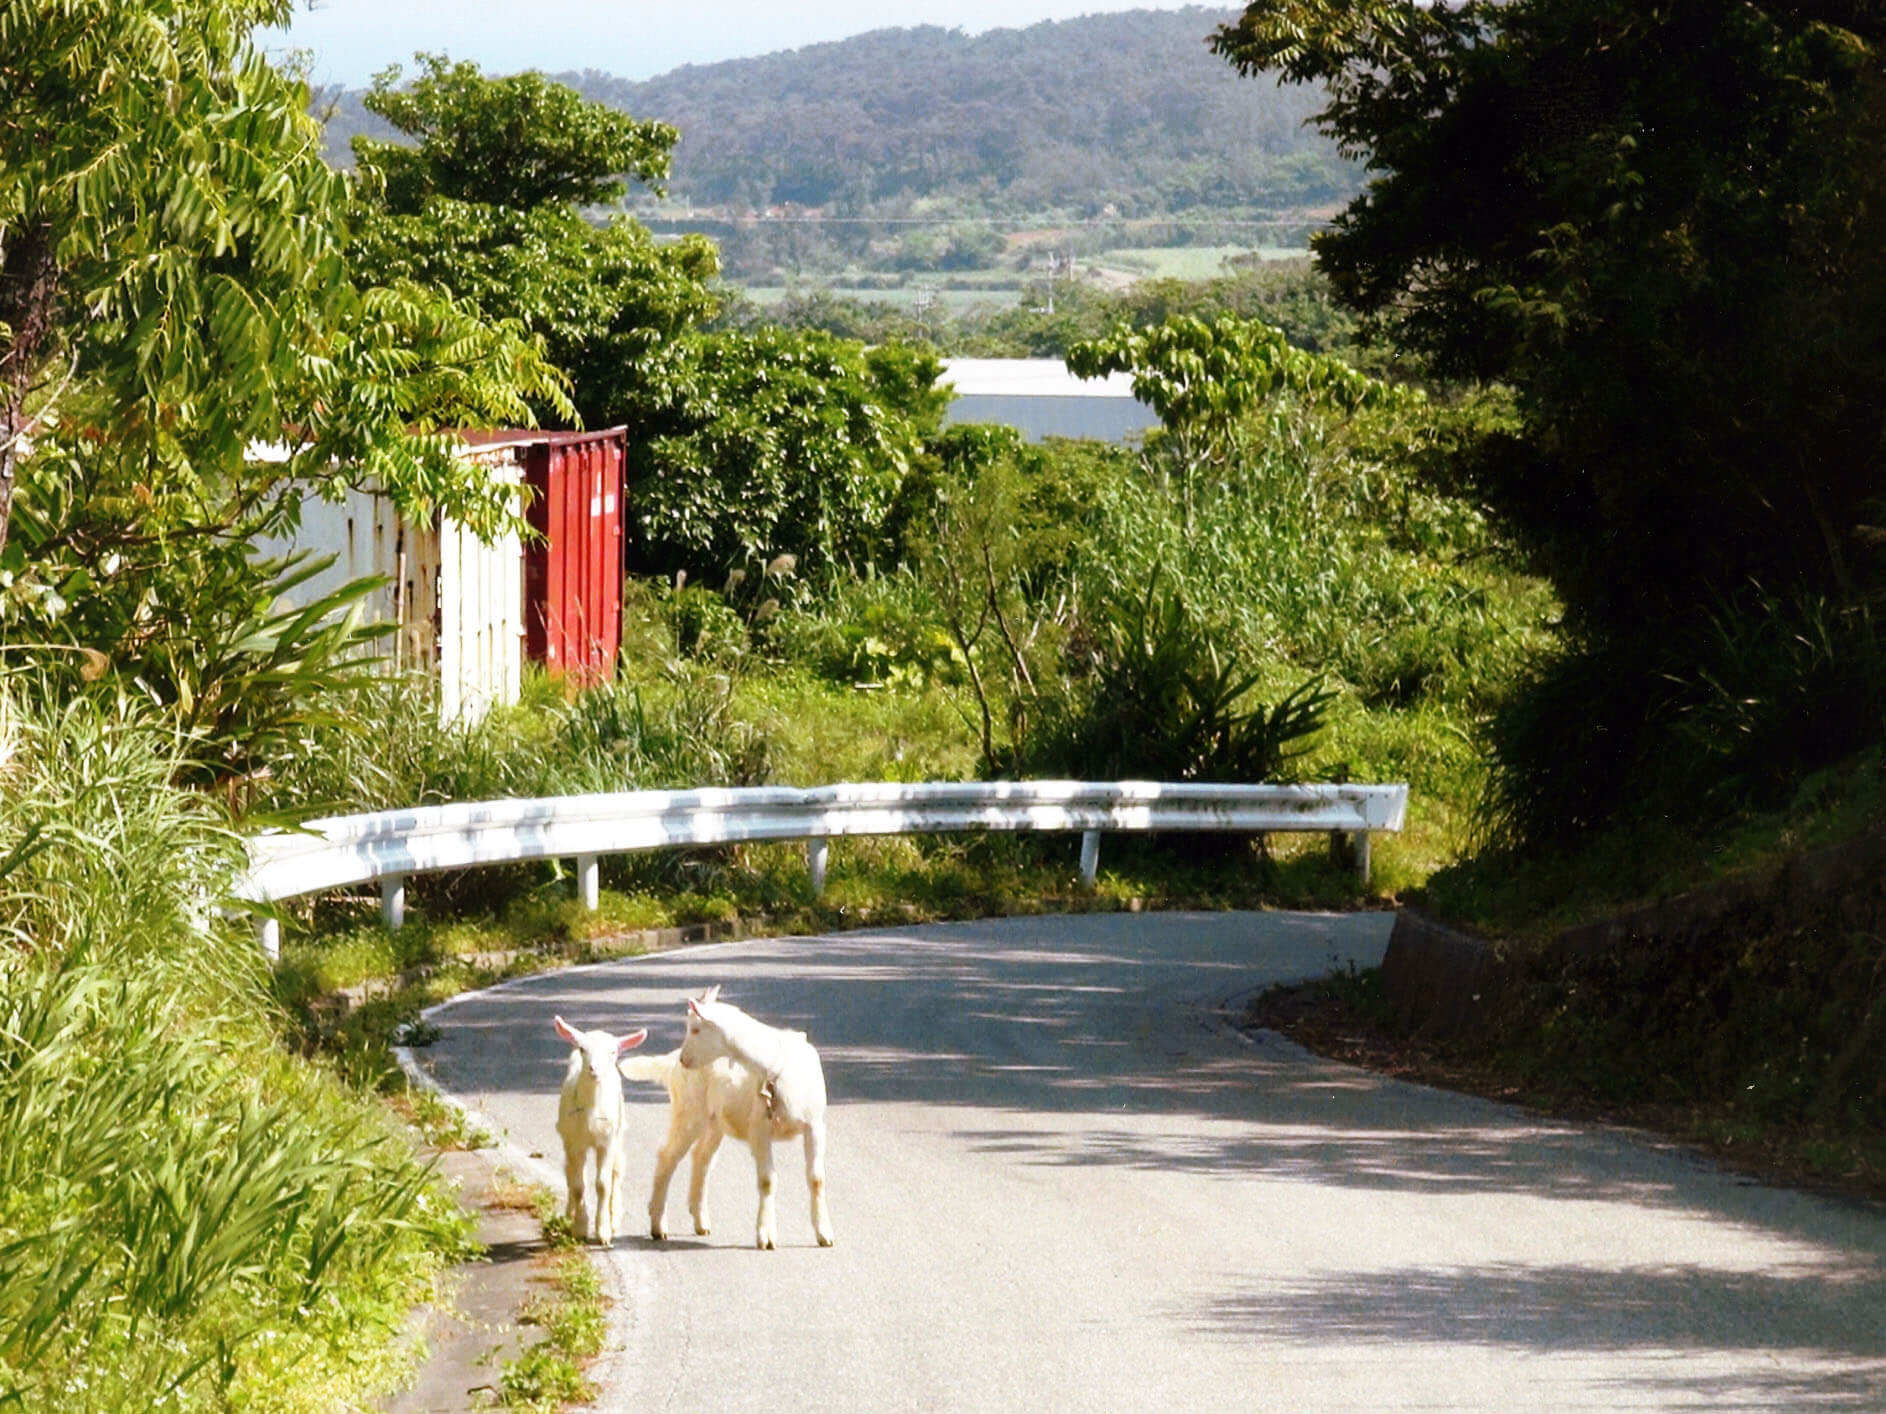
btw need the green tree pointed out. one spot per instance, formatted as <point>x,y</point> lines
<point>487,202</point>
<point>785,442</point>
<point>994,542</point>
<point>1664,224</point>
<point>743,445</point>
<point>184,351</point>
<point>172,279</point>
<point>1205,380</point>
<point>523,141</point>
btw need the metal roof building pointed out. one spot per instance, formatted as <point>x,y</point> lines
<point>1040,398</point>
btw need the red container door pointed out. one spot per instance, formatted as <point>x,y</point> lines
<point>595,655</point>
<point>568,552</point>
<point>572,579</point>
<point>540,646</point>
<point>610,453</point>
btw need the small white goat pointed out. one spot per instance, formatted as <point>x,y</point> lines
<point>736,1075</point>
<point>589,1120</point>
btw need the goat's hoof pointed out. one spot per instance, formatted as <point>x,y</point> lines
<point>659,1233</point>
<point>825,1239</point>
<point>702,1227</point>
<point>764,1243</point>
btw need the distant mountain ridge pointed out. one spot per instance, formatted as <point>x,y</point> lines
<point>1124,113</point>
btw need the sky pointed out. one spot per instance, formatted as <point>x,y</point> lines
<point>351,40</point>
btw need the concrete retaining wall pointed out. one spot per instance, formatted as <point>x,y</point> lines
<point>1438,978</point>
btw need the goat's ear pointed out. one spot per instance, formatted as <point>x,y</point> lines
<point>694,1007</point>
<point>712,994</point>
<point>631,1041</point>
<point>567,1032</point>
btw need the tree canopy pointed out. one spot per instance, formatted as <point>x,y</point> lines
<point>783,442</point>
<point>1662,223</point>
<point>487,204</point>
<point>173,281</point>
<point>743,446</point>
<point>186,351</point>
<point>520,141</point>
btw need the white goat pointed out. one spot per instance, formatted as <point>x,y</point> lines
<point>736,1075</point>
<point>589,1119</point>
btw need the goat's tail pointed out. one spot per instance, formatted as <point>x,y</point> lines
<point>655,1069</point>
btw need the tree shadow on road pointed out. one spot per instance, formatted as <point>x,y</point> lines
<point>1686,1310</point>
<point>1131,1038</point>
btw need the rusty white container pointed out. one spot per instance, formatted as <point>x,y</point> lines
<point>457,601</point>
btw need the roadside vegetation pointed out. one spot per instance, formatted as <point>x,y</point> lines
<point>1689,469</point>
<point>567,1314</point>
<point>1580,542</point>
<point>188,1216</point>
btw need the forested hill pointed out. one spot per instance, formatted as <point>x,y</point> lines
<point>1128,110</point>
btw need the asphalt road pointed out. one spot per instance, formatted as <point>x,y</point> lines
<point>1061,1180</point>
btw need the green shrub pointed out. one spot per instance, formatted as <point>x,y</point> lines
<point>1737,713</point>
<point>622,912</point>
<point>690,907</point>
<point>880,630</point>
<point>1162,703</point>
<point>705,626</point>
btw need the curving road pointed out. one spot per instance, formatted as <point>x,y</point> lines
<point>1060,1180</point>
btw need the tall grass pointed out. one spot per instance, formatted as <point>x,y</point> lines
<point>662,730</point>
<point>188,1218</point>
<point>1310,552</point>
<point>95,844</point>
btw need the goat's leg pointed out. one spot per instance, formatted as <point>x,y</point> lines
<point>621,1183</point>
<point>764,1233</point>
<point>704,1150</point>
<point>672,1148</point>
<point>573,1213</point>
<point>815,1180</point>
<point>608,1159</point>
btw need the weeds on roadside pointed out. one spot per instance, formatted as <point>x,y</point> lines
<point>543,1380</point>
<point>570,1312</point>
<point>185,1213</point>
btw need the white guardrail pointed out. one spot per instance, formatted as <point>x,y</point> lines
<point>389,845</point>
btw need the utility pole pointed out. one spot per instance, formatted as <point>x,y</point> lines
<point>1051,262</point>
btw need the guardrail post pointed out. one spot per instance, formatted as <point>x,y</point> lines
<point>1090,856</point>
<point>816,852</point>
<point>393,900</point>
<point>588,881</point>
<point>1362,854</point>
<point>268,932</point>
